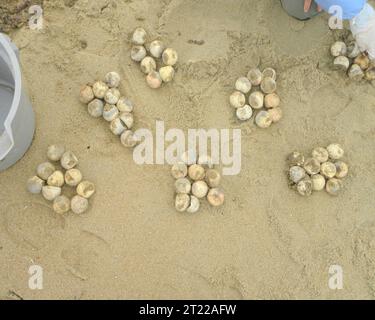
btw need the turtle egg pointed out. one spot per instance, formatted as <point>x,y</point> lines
<point>243,85</point>
<point>35,185</point>
<point>244,113</point>
<point>255,76</point>
<point>342,169</point>
<point>341,63</point>
<point>206,161</point>
<point>117,126</point>
<point>353,50</point>
<point>296,174</point>
<point>73,177</point>
<point>182,185</point>
<point>355,72</point>
<point>139,36</point>
<point>328,169</point>
<point>167,73</point>
<point>55,152</point>
<point>179,170</point>
<point>95,108</point>
<point>61,204</point>
<point>335,151</point>
<point>170,57</point>
<point>112,79</point>
<point>237,99</point>
<point>276,114</point>
<point>338,49</point>
<point>86,189</point>
<point>79,204</point>
<point>256,100</point>
<point>312,166</point>
<point>154,80</point>
<point>112,96</point>
<point>182,202</point>
<point>125,105</point>
<point>99,88</point>
<point>137,53</point>
<point>196,172</point>
<point>199,189</point>
<point>363,61</point>
<point>263,119</point>
<point>215,197</point>
<point>56,179</point>
<point>110,112</point>
<point>370,74</point>
<point>213,178</point>
<point>128,139</point>
<point>86,94</point>
<point>156,48</point>
<point>148,64</point>
<point>194,205</point>
<point>296,158</point>
<point>334,186</point>
<point>269,73</point>
<point>44,170</point>
<point>305,187</point>
<point>318,182</point>
<point>189,157</point>
<point>50,193</point>
<point>268,85</point>
<point>320,154</point>
<point>271,100</point>
<point>127,119</point>
<point>68,160</point>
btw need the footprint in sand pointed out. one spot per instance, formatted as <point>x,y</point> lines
<point>330,102</point>
<point>31,225</point>
<point>87,255</point>
<point>186,283</point>
<point>364,252</point>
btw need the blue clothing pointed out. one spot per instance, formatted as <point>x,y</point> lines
<point>350,8</point>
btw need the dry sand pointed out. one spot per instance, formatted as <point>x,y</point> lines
<point>266,242</point>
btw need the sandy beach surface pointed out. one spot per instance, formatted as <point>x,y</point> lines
<point>266,242</point>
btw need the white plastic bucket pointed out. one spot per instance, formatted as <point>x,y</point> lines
<point>17,121</point>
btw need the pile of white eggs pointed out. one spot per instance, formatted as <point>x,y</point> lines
<point>348,58</point>
<point>104,100</point>
<point>156,61</point>
<point>194,183</point>
<point>322,170</point>
<point>257,92</point>
<point>60,171</point>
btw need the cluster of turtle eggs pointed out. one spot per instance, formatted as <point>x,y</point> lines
<point>50,181</point>
<point>149,58</point>
<point>348,58</point>
<point>194,183</point>
<point>263,98</point>
<point>104,100</point>
<point>323,170</point>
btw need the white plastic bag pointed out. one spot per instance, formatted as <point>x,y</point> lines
<point>363,29</point>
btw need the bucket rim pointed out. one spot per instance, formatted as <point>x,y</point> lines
<point>15,69</point>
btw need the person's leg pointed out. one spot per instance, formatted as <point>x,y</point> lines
<point>295,8</point>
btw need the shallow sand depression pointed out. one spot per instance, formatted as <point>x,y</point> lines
<point>266,242</point>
